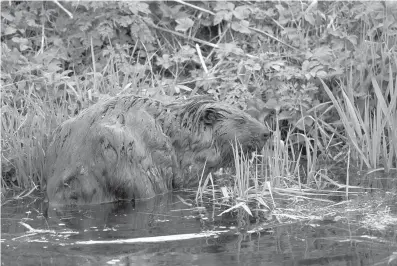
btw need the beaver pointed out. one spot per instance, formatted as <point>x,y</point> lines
<point>131,147</point>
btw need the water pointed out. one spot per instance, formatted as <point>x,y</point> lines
<point>167,230</point>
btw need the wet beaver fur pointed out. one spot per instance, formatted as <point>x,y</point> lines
<point>131,147</point>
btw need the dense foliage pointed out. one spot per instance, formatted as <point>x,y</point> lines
<point>266,57</point>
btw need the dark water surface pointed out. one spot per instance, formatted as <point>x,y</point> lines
<point>167,231</point>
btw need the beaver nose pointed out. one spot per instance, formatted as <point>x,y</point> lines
<point>266,134</point>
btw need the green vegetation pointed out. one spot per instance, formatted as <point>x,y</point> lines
<point>321,74</point>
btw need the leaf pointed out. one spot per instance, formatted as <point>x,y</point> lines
<point>206,22</point>
<point>309,18</point>
<point>262,201</point>
<point>225,193</point>
<point>273,104</point>
<point>245,207</point>
<point>56,41</point>
<point>315,69</point>
<point>223,5</point>
<point>134,29</point>
<point>241,26</point>
<point>21,85</point>
<point>222,15</point>
<point>323,53</point>
<point>145,35</point>
<point>186,53</point>
<point>241,12</point>
<point>20,40</point>
<point>308,66</point>
<point>227,48</point>
<point>352,39</point>
<point>134,6</point>
<point>142,7</point>
<point>53,66</point>
<point>105,30</point>
<point>305,66</point>
<point>218,18</point>
<point>32,23</point>
<point>354,126</point>
<point>276,65</point>
<point>238,205</point>
<point>184,24</point>
<point>253,66</point>
<point>125,21</point>
<point>284,115</point>
<point>164,61</point>
<point>182,87</point>
<point>336,33</point>
<point>9,30</point>
<point>321,74</point>
<point>255,103</point>
<point>169,12</point>
<point>302,124</point>
<point>292,33</point>
<point>7,16</point>
<point>23,47</point>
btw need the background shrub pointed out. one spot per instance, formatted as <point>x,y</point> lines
<point>266,57</point>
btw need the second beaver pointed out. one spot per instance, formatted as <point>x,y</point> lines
<point>131,147</point>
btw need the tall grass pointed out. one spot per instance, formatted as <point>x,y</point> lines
<point>282,169</point>
<point>26,129</point>
<point>371,131</point>
<point>29,117</point>
<point>248,186</point>
<point>276,169</point>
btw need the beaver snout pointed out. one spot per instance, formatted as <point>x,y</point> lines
<point>266,134</point>
<point>262,138</point>
<point>258,140</point>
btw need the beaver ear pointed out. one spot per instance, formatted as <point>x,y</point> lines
<point>210,117</point>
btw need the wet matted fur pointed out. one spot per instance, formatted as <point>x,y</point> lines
<point>131,147</point>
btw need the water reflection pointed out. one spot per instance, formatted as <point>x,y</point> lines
<point>159,216</point>
<point>60,235</point>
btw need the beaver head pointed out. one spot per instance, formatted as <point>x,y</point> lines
<point>203,131</point>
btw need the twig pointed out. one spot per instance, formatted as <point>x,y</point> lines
<point>15,238</point>
<point>181,35</point>
<point>219,39</point>
<point>42,38</point>
<point>64,9</point>
<point>201,189</point>
<point>93,64</point>
<point>212,13</point>
<point>195,7</point>
<point>32,230</point>
<point>184,201</point>
<point>347,175</point>
<point>152,239</point>
<point>192,38</point>
<point>274,38</point>
<point>23,195</point>
<point>201,58</point>
<point>312,4</point>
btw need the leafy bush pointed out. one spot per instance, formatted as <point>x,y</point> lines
<point>265,57</point>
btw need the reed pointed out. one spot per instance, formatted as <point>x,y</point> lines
<point>29,117</point>
<point>371,130</point>
<point>26,128</point>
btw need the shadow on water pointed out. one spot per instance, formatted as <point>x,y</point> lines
<point>167,231</point>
